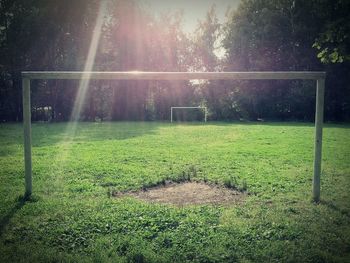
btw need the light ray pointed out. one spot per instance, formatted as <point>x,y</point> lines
<point>89,64</point>
<point>63,155</point>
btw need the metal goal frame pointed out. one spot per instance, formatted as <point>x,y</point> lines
<point>319,78</point>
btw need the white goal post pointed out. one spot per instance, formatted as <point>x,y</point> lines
<point>189,107</point>
<point>319,78</point>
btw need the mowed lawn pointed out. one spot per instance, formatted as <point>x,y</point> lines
<point>72,215</point>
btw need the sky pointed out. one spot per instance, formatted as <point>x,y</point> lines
<point>194,10</point>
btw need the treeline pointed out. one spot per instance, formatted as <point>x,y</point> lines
<point>269,35</point>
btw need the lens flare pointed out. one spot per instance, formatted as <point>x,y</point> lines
<point>63,154</point>
<point>89,64</point>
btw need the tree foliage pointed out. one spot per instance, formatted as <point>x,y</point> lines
<point>279,35</point>
<point>269,35</point>
<point>333,42</point>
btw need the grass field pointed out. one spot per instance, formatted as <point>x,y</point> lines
<point>73,217</point>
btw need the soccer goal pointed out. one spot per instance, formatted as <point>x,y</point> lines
<point>204,109</point>
<point>318,77</point>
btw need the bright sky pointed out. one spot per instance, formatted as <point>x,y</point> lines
<point>194,10</point>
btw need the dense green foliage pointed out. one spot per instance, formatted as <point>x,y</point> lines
<point>288,35</point>
<point>258,35</point>
<point>72,216</point>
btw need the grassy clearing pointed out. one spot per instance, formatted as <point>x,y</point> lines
<point>73,217</point>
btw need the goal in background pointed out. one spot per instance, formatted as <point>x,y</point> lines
<point>192,107</point>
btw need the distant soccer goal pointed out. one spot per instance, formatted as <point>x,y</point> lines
<point>204,109</point>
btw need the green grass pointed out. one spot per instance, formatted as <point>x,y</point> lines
<point>72,217</point>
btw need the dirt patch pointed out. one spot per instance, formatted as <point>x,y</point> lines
<point>188,193</point>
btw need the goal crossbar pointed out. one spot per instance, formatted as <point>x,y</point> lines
<point>140,75</point>
<point>27,76</point>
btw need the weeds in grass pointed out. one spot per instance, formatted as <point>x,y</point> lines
<point>232,183</point>
<point>244,185</point>
<point>73,226</point>
<point>228,183</point>
<point>187,175</point>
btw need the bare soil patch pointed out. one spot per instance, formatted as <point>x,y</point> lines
<point>188,193</point>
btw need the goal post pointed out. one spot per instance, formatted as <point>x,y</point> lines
<point>189,107</point>
<point>318,77</point>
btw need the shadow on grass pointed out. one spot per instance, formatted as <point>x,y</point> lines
<point>46,134</point>
<point>259,123</point>
<point>278,124</point>
<point>334,207</point>
<point>7,218</point>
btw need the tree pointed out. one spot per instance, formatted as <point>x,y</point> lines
<point>333,42</point>
<point>278,35</point>
<point>42,35</point>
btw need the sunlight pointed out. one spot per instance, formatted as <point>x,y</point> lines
<point>63,154</point>
<point>89,64</point>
